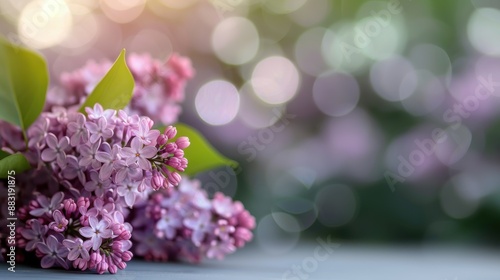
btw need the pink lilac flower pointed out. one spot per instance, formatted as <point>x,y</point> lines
<point>138,153</point>
<point>169,223</point>
<point>130,191</point>
<point>96,231</point>
<point>109,161</point>
<point>223,205</point>
<point>78,248</point>
<point>38,133</point>
<point>100,130</point>
<point>56,149</point>
<point>218,249</point>
<point>145,134</point>
<point>200,224</point>
<point>47,206</point>
<point>98,112</point>
<point>159,87</point>
<point>97,185</point>
<point>224,229</point>
<point>188,225</point>
<point>54,253</point>
<point>79,130</point>
<point>35,234</point>
<point>73,169</point>
<point>96,237</point>
<point>60,222</point>
<point>125,170</point>
<point>88,154</point>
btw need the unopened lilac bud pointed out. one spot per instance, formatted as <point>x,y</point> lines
<point>102,267</point>
<point>170,132</point>
<point>182,142</point>
<point>112,269</point>
<point>125,235</point>
<point>127,256</point>
<point>170,148</point>
<point>117,229</point>
<point>174,178</point>
<point>158,180</point>
<point>179,153</point>
<point>162,139</point>
<point>69,206</point>
<point>95,258</point>
<point>83,202</point>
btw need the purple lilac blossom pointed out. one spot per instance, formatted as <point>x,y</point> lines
<point>158,92</point>
<point>177,224</point>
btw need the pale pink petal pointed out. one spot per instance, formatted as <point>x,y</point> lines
<point>48,261</point>
<point>38,212</point>
<point>93,222</point>
<point>73,254</point>
<point>96,242</point>
<point>130,199</point>
<point>48,155</point>
<point>51,141</point>
<point>85,254</point>
<point>136,144</point>
<point>44,249</point>
<point>144,163</point>
<point>86,231</point>
<point>149,152</point>
<point>106,233</point>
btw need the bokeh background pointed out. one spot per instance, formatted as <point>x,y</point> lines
<point>332,108</point>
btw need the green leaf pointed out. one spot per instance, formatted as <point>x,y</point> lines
<point>200,154</point>
<point>16,162</point>
<point>114,91</point>
<point>23,84</point>
<point>3,154</point>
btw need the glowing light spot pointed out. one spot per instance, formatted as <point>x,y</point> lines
<point>256,113</point>
<point>44,23</point>
<point>122,11</point>
<point>235,40</point>
<point>423,92</point>
<point>275,80</point>
<point>308,51</point>
<point>217,102</point>
<point>386,77</point>
<point>483,31</point>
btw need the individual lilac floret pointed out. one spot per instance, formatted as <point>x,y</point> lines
<point>190,226</point>
<point>159,88</point>
<point>96,231</point>
<point>54,252</point>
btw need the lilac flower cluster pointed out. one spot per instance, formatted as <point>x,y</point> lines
<point>96,175</point>
<point>89,233</point>
<point>107,154</point>
<point>88,172</point>
<point>159,87</point>
<point>184,224</point>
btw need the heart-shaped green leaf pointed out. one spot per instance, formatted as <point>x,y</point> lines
<point>23,84</point>
<point>16,162</point>
<point>200,154</point>
<point>114,91</point>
